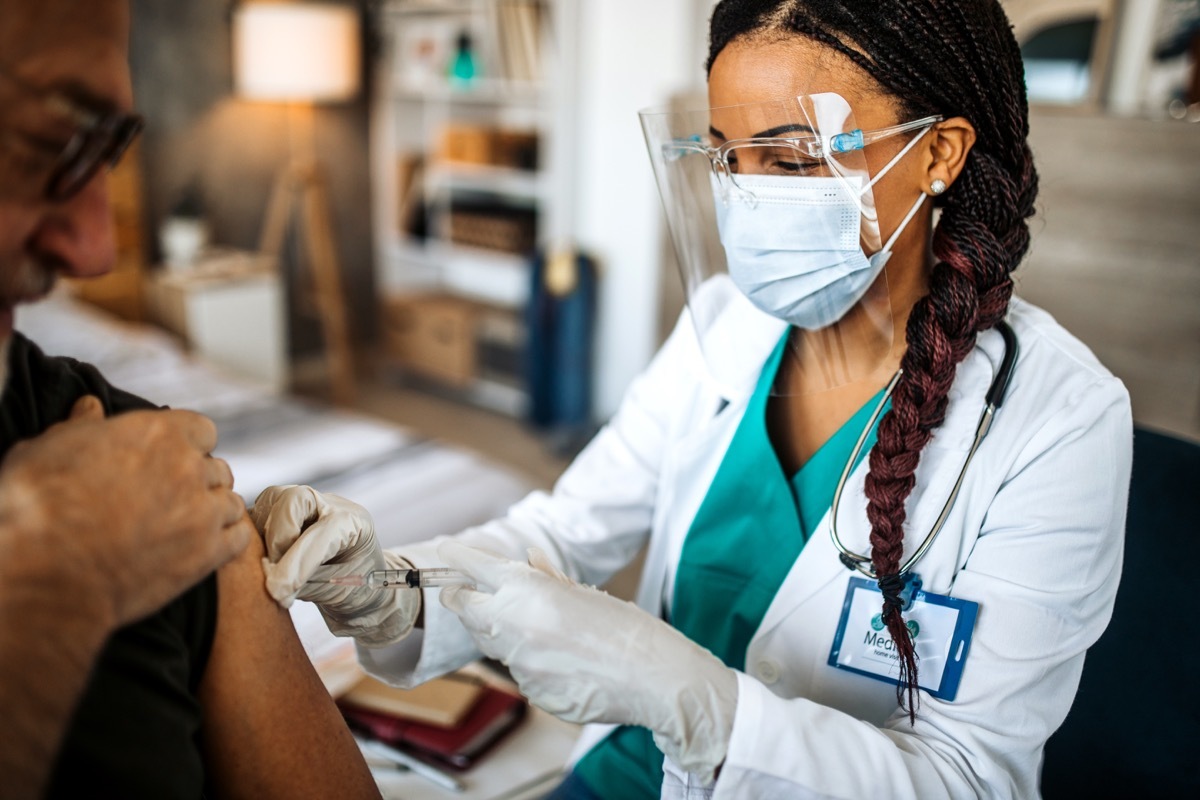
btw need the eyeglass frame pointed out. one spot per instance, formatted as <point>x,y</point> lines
<point>815,147</point>
<point>109,132</point>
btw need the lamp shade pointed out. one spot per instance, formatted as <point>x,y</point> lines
<point>296,52</point>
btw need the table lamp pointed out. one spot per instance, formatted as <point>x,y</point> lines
<point>301,54</point>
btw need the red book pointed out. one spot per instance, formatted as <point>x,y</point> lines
<point>496,713</point>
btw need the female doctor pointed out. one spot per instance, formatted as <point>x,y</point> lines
<point>849,590</point>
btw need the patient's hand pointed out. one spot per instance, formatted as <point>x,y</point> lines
<point>129,511</point>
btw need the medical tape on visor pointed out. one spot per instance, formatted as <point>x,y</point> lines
<point>880,174</point>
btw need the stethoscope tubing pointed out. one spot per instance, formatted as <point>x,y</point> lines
<point>993,401</point>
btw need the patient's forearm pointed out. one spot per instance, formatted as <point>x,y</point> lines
<point>49,639</point>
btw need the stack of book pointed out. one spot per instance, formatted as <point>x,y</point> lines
<point>448,722</point>
<point>493,225</point>
<point>478,144</point>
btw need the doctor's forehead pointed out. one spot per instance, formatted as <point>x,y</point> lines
<point>775,69</point>
<point>79,47</point>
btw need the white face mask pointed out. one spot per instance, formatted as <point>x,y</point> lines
<point>793,247</point>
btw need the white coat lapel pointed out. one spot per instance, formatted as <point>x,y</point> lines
<point>940,462</point>
<point>695,457</point>
<point>819,562</point>
<point>694,462</point>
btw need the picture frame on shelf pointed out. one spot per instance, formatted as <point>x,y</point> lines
<point>425,46</point>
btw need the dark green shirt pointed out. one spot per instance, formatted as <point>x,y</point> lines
<point>136,732</point>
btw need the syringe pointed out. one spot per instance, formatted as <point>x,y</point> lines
<point>402,578</point>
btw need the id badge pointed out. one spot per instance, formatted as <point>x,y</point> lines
<point>941,628</point>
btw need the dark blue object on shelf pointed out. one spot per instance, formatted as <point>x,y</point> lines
<point>560,322</point>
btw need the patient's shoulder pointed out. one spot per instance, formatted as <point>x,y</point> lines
<point>41,389</point>
<point>142,696</point>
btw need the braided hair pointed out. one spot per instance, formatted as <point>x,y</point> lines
<point>954,58</point>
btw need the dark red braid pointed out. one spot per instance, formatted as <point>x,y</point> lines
<point>954,58</point>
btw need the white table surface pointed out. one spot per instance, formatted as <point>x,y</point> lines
<point>527,764</point>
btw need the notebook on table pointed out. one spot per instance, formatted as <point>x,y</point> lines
<point>443,702</point>
<point>494,714</point>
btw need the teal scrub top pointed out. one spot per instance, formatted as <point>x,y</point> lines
<point>746,536</point>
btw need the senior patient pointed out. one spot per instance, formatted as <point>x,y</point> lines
<point>127,667</point>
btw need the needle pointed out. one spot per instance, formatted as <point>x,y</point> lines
<point>400,579</point>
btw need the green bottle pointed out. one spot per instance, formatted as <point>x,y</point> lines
<point>463,69</point>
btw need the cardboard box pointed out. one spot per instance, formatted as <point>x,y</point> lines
<point>466,144</point>
<point>433,335</point>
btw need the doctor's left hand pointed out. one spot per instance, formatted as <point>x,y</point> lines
<point>586,656</point>
<point>305,531</point>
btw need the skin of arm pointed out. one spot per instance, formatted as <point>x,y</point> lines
<point>270,727</point>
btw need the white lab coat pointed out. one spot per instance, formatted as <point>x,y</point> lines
<point>1035,538</point>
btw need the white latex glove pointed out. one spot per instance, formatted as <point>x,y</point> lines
<point>309,533</point>
<point>586,656</point>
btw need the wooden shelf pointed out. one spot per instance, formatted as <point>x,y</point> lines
<point>482,92</point>
<point>453,176</point>
<point>499,280</point>
<point>432,176</point>
<point>426,8</point>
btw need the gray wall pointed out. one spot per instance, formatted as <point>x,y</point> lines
<point>198,131</point>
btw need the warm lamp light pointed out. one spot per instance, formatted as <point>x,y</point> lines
<point>296,52</point>
<point>300,54</point>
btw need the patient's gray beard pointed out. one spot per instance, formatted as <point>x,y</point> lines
<point>25,279</point>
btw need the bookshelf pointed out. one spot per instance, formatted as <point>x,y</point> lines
<point>471,171</point>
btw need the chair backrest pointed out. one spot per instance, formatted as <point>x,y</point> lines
<point>1134,730</point>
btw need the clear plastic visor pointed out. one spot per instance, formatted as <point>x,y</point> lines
<point>770,206</point>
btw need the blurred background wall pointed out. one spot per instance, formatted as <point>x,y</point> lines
<point>1115,253</point>
<point>199,134</point>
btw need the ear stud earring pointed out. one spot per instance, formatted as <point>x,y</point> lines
<point>937,187</point>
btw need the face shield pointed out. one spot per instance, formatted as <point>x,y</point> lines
<point>777,199</point>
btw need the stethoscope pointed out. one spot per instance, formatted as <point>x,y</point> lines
<point>995,396</point>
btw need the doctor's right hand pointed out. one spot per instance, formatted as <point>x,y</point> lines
<point>309,534</point>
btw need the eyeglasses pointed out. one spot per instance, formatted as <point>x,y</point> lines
<point>784,155</point>
<point>100,138</point>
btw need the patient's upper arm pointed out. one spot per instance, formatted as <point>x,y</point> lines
<point>270,727</point>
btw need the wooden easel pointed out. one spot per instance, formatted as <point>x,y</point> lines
<point>302,183</point>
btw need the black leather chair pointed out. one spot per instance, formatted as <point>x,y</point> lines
<point>1134,730</point>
